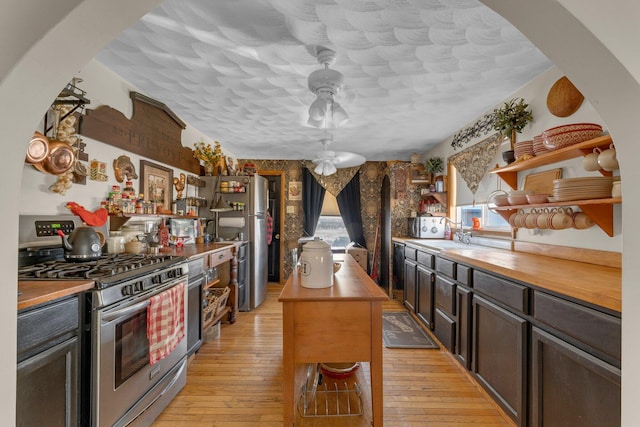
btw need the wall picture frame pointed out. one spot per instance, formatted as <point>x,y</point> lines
<point>156,183</point>
<point>295,190</point>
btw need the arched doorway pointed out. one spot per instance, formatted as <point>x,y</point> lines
<point>27,87</point>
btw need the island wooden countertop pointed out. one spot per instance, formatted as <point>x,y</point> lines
<point>595,284</point>
<point>351,282</point>
<point>34,292</point>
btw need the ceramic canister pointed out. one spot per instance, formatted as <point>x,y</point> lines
<point>316,265</point>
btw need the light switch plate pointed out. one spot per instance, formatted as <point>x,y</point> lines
<point>291,209</point>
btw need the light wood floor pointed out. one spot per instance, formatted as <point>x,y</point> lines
<point>236,380</point>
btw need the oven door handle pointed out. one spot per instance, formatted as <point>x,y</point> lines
<point>108,317</point>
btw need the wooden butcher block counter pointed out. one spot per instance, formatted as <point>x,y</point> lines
<point>595,284</point>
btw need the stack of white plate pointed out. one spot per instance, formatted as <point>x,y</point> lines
<point>598,187</point>
<point>538,145</point>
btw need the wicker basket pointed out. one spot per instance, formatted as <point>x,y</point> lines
<point>214,302</point>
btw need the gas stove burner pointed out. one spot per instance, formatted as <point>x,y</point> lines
<point>107,268</point>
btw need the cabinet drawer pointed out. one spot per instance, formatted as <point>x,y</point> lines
<point>445,294</point>
<point>426,259</point>
<point>219,257</point>
<point>463,274</point>
<point>46,326</point>
<point>410,253</point>
<point>446,267</point>
<point>509,293</point>
<point>599,331</point>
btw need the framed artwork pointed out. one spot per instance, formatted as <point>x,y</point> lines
<point>295,190</point>
<point>156,183</point>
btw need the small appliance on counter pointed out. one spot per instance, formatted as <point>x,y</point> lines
<point>427,227</point>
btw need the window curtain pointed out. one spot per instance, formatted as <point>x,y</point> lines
<point>350,210</point>
<point>312,197</point>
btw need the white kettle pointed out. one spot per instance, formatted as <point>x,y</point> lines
<point>316,265</point>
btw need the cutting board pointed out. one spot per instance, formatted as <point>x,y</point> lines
<point>542,182</point>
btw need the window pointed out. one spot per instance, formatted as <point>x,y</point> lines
<point>331,227</point>
<point>489,220</point>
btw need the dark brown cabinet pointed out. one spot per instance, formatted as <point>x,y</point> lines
<point>410,270</point>
<point>547,360</point>
<point>424,309</point>
<point>570,387</point>
<point>398,268</point>
<point>500,355</point>
<point>463,322</point>
<point>48,365</point>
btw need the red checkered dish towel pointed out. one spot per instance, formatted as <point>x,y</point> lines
<point>165,322</point>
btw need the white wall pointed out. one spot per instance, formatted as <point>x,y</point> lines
<point>535,94</point>
<point>103,87</point>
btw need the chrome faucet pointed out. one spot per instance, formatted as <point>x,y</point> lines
<point>455,224</point>
<point>460,235</point>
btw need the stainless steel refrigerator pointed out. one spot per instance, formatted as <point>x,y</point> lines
<point>247,221</point>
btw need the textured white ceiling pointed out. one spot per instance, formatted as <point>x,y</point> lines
<point>416,71</point>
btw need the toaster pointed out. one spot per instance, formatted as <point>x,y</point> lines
<point>427,227</point>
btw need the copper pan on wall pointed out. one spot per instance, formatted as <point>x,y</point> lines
<point>38,149</point>
<point>61,158</point>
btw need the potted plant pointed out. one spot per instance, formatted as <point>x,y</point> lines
<point>434,166</point>
<point>510,119</point>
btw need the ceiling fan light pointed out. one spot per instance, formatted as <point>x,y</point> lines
<point>316,123</point>
<point>318,109</point>
<point>329,169</point>
<point>339,115</point>
<point>319,169</point>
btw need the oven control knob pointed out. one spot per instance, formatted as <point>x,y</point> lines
<point>138,287</point>
<point>127,290</point>
<point>171,274</point>
<point>157,279</point>
<point>434,229</point>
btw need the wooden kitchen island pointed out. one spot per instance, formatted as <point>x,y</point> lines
<point>342,323</point>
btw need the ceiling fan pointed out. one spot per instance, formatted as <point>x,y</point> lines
<point>325,112</point>
<point>327,162</point>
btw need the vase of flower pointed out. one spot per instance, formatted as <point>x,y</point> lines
<point>209,156</point>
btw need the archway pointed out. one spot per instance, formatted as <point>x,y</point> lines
<point>45,43</point>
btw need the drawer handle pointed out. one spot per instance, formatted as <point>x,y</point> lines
<point>220,256</point>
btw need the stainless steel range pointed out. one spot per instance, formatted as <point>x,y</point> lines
<point>124,387</point>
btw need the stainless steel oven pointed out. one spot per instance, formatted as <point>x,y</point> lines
<point>128,390</point>
<point>119,386</point>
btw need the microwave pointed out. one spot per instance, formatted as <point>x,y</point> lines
<point>427,227</point>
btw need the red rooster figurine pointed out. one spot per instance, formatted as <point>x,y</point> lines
<point>96,219</point>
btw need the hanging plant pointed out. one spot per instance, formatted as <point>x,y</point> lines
<point>434,165</point>
<point>511,118</point>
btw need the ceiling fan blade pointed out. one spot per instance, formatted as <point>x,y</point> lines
<point>345,159</point>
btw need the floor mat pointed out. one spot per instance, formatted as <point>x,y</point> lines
<point>399,330</point>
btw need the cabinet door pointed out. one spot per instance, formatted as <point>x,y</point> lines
<point>398,266</point>
<point>47,387</point>
<point>570,387</point>
<point>410,284</point>
<point>424,310</point>
<point>499,356</point>
<point>463,321</point>
<point>445,329</point>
